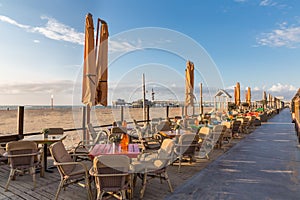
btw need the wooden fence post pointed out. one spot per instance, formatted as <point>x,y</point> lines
<point>122,114</point>
<point>20,122</point>
<point>167,112</point>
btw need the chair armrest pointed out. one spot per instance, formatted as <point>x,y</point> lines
<point>93,173</point>
<point>21,155</point>
<point>71,163</point>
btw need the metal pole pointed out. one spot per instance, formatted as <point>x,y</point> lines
<point>201,100</point>
<point>144,98</point>
<point>51,101</point>
<point>84,112</point>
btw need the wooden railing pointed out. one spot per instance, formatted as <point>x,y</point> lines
<point>20,127</point>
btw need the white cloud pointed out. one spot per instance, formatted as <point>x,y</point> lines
<point>267,3</point>
<point>123,46</point>
<point>58,31</point>
<point>62,86</point>
<point>282,37</point>
<point>13,22</point>
<point>55,30</point>
<point>255,89</point>
<point>281,88</point>
<point>52,30</point>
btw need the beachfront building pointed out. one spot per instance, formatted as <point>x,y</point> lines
<point>221,99</point>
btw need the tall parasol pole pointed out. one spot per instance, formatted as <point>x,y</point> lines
<point>201,100</point>
<point>144,98</point>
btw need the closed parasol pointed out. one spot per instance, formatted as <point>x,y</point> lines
<point>102,62</point>
<point>248,96</point>
<point>89,79</point>
<point>189,84</point>
<point>237,94</point>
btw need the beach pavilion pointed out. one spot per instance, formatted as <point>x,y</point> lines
<point>221,99</point>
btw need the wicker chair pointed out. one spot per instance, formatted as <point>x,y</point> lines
<point>154,165</point>
<point>23,157</point>
<point>70,172</point>
<point>112,175</point>
<point>187,145</point>
<point>85,146</point>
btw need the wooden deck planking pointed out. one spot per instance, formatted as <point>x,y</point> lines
<point>46,188</point>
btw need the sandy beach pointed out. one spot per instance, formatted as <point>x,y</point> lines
<point>68,118</point>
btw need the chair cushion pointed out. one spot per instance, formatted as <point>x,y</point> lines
<point>61,155</point>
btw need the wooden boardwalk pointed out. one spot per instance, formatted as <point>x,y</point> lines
<point>265,165</point>
<point>22,187</point>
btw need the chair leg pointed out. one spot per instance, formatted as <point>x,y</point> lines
<point>179,167</point>
<point>11,175</point>
<point>100,195</point>
<point>59,188</point>
<point>88,188</point>
<point>144,182</point>
<point>32,172</point>
<point>123,194</point>
<point>168,180</point>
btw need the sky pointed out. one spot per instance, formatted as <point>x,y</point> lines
<point>254,42</point>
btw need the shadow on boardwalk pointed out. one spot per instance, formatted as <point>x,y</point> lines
<point>265,165</point>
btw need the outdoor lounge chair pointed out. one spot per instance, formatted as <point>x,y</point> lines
<point>218,132</point>
<point>154,165</point>
<point>70,171</point>
<point>227,137</point>
<point>147,139</point>
<point>112,176</point>
<point>23,157</point>
<point>85,146</point>
<point>186,146</point>
<point>235,128</point>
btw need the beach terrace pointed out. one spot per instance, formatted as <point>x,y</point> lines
<point>254,164</point>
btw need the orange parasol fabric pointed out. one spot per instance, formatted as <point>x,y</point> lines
<point>248,96</point>
<point>264,99</point>
<point>237,94</point>
<point>89,69</point>
<point>102,62</point>
<point>189,84</point>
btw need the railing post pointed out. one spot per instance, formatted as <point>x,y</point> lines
<point>20,122</point>
<point>122,114</point>
<point>83,123</point>
<point>148,113</point>
<point>167,112</point>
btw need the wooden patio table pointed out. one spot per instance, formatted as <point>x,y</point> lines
<point>45,141</point>
<point>109,149</point>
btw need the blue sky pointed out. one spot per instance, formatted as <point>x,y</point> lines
<point>254,42</point>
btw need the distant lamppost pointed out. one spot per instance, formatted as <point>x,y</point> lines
<point>51,101</point>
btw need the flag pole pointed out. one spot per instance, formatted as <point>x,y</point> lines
<point>144,97</point>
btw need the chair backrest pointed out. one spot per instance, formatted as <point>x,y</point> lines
<point>55,131</point>
<point>219,128</point>
<point>111,171</point>
<point>19,148</point>
<point>60,155</point>
<point>187,143</point>
<point>92,131</point>
<point>166,150</point>
<point>164,126</point>
<point>235,126</point>
<point>204,130</point>
<point>227,124</point>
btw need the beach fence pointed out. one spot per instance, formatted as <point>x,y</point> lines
<point>31,120</point>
